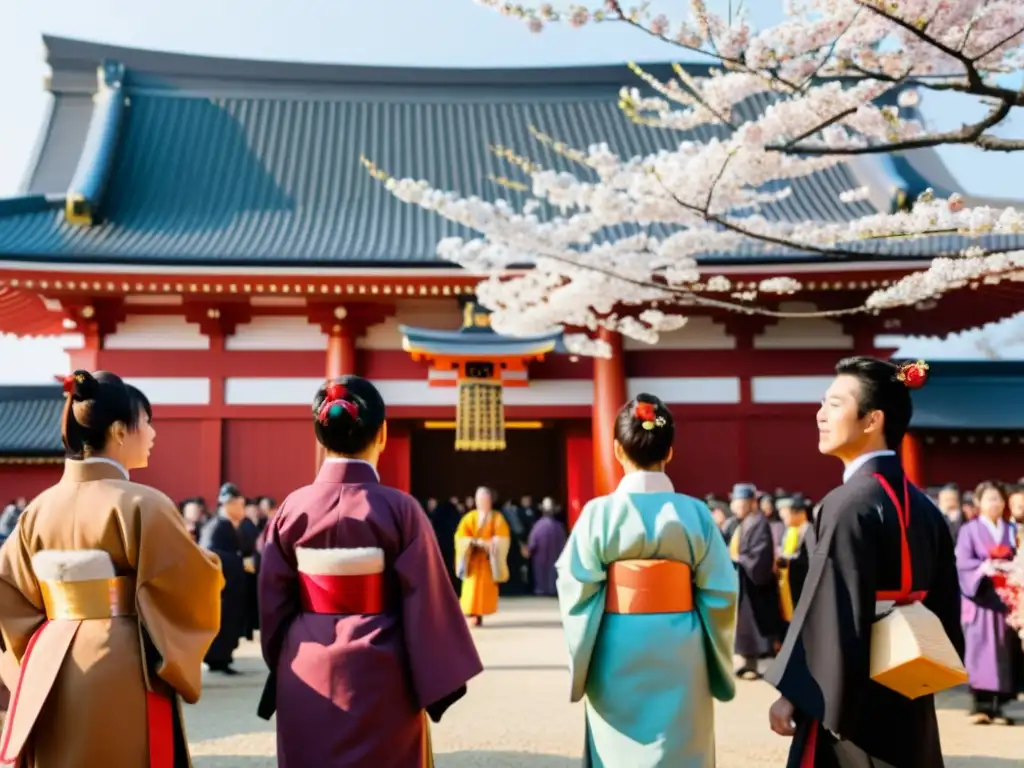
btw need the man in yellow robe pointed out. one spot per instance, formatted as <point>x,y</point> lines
<point>481,556</point>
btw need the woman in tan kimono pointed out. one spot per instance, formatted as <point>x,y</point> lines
<point>105,600</point>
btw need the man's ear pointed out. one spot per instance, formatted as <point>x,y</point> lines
<point>876,422</point>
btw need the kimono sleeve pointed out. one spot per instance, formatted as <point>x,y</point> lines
<point>278,591</point>
<point>944,593</point>
<point>463,537</point>
<point>21,604</point>
<point>824,665</point>
<point>582,577</point>
<point>178,589</point>
<point>716,592</point>
<point>969,563</point>
<point>442,656</point>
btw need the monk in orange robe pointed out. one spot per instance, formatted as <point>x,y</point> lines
<point>481,556</point>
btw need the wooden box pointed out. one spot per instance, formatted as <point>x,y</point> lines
<point>912,655</point>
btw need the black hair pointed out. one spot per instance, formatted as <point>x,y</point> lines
<point>347,429</point>
<point>880,390</point>
<point>94,402</point>
<point>645,447</point>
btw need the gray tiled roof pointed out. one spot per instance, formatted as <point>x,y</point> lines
<point>225,162</point>
<point>30,420</point>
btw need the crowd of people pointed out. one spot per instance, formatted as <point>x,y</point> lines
<point>366,642</point>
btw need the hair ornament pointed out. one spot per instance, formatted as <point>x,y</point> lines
<point>648,415</point>
<point>334,403</point>
<point>913,375</point>
<point>71,381</point>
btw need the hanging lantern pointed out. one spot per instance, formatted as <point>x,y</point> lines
<point>481,363</point>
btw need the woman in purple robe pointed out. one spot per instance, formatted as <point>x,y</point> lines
<point>984,547</point>
<point>547,540</point>
<point>360,628</point>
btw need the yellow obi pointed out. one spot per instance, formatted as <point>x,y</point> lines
<point>92,599</point>
<point>649,586</point>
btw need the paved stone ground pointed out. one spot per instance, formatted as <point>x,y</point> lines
<point>517,715</point>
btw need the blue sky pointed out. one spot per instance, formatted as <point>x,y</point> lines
<point>453,33</point>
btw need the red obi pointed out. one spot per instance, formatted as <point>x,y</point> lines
<point>324,593</point>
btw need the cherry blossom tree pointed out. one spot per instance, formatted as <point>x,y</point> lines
<point>824,70</point>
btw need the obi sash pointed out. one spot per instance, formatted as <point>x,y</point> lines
<point>68,603</point>
<point>649,586</point>
<point>341,581</point>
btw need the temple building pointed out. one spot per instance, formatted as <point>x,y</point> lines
<point>206,228</point>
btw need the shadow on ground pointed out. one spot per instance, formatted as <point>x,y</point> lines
<point>479,759</point>
<point>980,762</point>
<point>233,761</point>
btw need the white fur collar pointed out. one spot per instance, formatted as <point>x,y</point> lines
<point>645,482</point>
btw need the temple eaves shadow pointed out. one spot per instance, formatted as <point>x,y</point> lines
<point>483,759</point>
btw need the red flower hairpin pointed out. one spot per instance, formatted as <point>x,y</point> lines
<point>70,381</point>
<point>336,391</point>
<point>913,375</point>
<point>648,415</point>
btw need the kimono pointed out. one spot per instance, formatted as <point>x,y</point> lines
<point>990,640</point>
<point>843,718</point>
<point>109,606</point>
<point>220,536</point>
<point>359,625</point>
<point>547,539</point>
<point>759,621</point>
<point>481,561</point>
<point>648,595</point>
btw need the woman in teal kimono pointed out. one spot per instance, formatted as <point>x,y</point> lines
<point>648,593</point>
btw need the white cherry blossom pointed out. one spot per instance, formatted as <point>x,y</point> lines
<point>618,244</point>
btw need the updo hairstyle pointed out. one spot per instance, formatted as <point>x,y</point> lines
<point>348,412</point>
<point>93,404</point>
<point>645,430</point>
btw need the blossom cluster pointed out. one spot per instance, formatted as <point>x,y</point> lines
<point>1013,593</point>
<point>616,244</point>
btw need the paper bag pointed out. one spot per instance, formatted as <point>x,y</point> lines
<point>912,655</point>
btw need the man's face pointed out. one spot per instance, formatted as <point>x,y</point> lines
<point>742,507</point>
<point>1017,506</point>
<point>526,501</point>
<point>21,502</point>
<point>841,433</point>
<point>235,509</point>
<point>483,500</point>
<point>949,501</point>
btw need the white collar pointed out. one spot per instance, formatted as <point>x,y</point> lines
<point>339,460</point>
<point>104,460</point>
<point>996,528</point>
<point>645,482</point>
<point>861,460</point>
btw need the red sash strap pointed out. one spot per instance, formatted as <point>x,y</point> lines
<point>160,724</point>
<point>905,595</point>
<point>323,593</point>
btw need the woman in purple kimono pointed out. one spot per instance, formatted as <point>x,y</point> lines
<point>984,548</point>
<point>360,628</point>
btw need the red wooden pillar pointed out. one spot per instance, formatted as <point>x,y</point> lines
<point>913,459</point>
<point>579,472</point>
<point>339,360</point>
<point>395,467</point>
<point>609,397</point>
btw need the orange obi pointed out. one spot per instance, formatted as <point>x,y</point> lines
<point>649,586</point>
<point>340,594</point>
